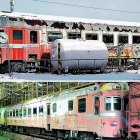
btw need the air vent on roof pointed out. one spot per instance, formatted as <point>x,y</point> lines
<point>6,11</point>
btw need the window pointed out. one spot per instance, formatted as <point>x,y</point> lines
<point>14,113</point>
<point>0,115</point>
<point>17,112</point>
<point>24,113</point>
<point>96,105</point>
<point>91,36</point>
<point>70,105</point>
<point>17,34</point>
<point>108,39</point>
<point>54,107</point>
<point>1,30</point>
<point>10,114</point>
<point>82,105</point>
<point>136,39</point>
<point>74,35</point>
<point>20,112</point>
<point>113,103</point>
<point>48,109</point>
<point>29,111</point>
<point>125,107</point>
<point>52,36</point>
<point>123,39</point>
<point>33,36</point>
<point>41,110</point>
<point>34,111</point>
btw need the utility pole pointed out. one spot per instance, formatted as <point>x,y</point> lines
<point>12,5</point>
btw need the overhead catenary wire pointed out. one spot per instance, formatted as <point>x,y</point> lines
<point>82,6</point>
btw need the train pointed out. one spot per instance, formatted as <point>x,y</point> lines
<point>30,37</point>
<point>103,110</point>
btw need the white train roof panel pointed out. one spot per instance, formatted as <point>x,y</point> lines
<point>30,16</point>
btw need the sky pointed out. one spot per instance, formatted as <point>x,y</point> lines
<point>45,8</point>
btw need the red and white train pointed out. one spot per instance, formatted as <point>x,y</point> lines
<point>98,111</point>
<point>31,36</point>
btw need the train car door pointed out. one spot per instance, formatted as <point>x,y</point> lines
<point>82,113</point>
<point>48,117</point>
<point>97,122</point>
<point>5,118</point>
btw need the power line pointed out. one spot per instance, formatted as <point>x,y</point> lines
<point>81,6</point>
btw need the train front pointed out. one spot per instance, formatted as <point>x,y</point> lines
<point>114,110</point>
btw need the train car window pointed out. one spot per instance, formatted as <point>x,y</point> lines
<point>20,112</point>
<point>70,105</point>
<point>82,105</point>
<point>24,112</point>
<point>41,110</point>
<point>113,103</point>
<point>123,39</point>
<point>33,36</point>
<point>34,111</point>
<point>73,35</point>
<point>108,39</point>
<point>48,109</point>
<point>17,112</point>
<point>52,36</point>
<point>136,39</point>
<point>17,34</point>
<point>96,105</point>
<point>10,114</point>
<point>54,107</point>
<point>91,36</point>
<point>14,113</point>
<point>0,115</point>
<point>125,104</point>
<point>1,30</point>
<point>29,112</point>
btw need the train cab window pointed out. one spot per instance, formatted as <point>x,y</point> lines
<point>54,107</point>
<point>91,37</point>
<point>14,113</point>
<point>24,112</point>
<point>113,103</point>
<point>96,105</point>
<point>73,35</point>
<point>70,105</point>
<point>48,109</point>
<point>41,110</point>
<point>20,112</point>
<point>29,112</point>
<point>82,105</point>
<point>52,36</point>
<point>136,39</point>
<point>123,39</point>
<point>17,34</point>
<point>108,39</point>
<point>10,114</point>
<point>125,104</point>
<point>33,36</point>
<point>34,111</point>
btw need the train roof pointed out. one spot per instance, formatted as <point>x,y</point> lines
<point>30,16</point>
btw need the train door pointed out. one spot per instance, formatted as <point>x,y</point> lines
<point>97,122</point>
<point>82,113</point>
<point>48,117</point>
<point>5,118</point>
